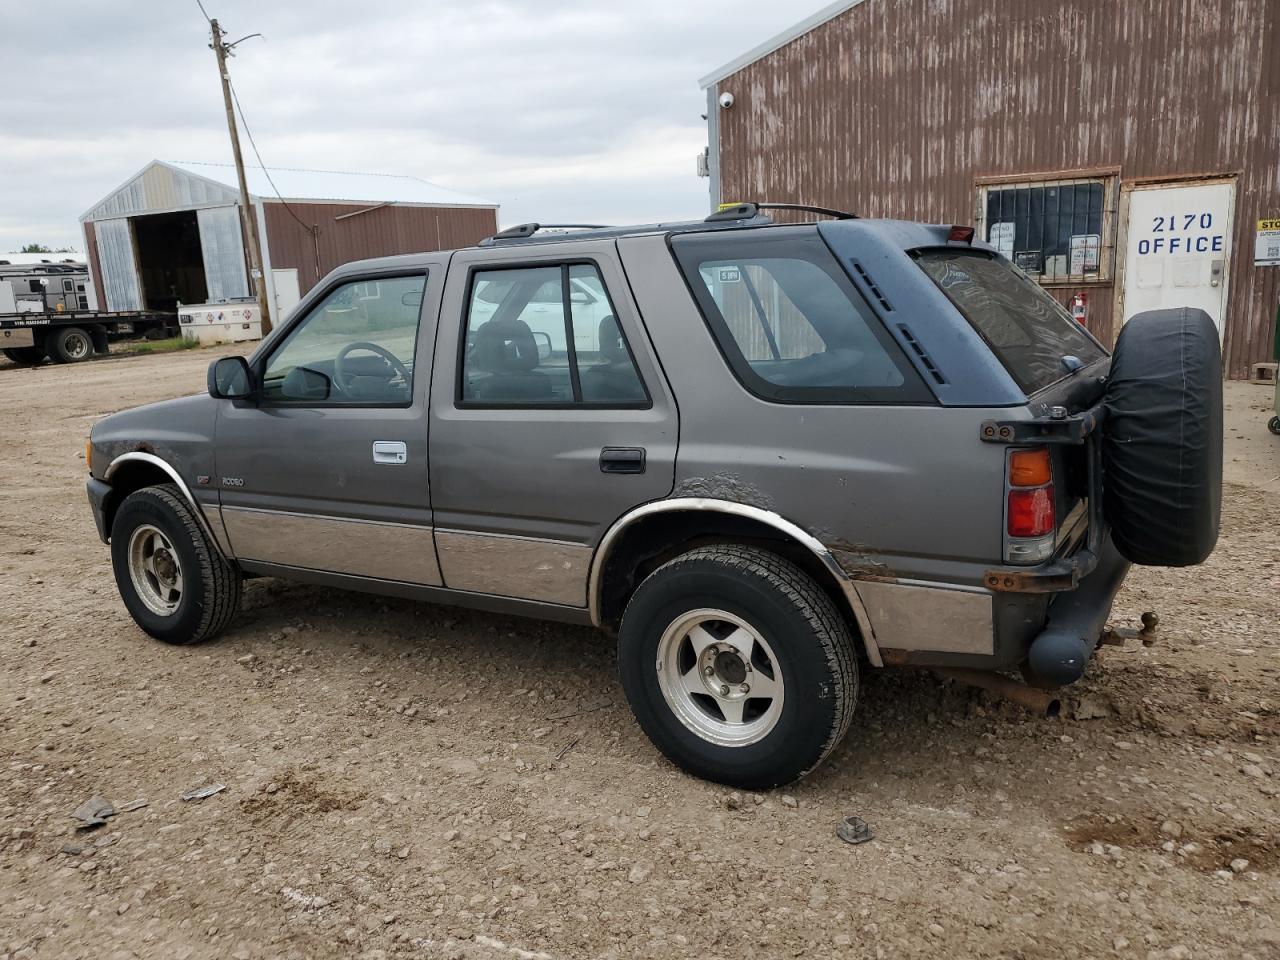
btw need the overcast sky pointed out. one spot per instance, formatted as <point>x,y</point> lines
<point>560,110</point>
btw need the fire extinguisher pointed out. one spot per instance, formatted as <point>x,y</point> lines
<point>1079,308</point>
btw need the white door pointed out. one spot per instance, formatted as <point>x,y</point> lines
<point>285,282</point>
<point>119,267</point>
<point>223,253</point>
<point>1178,248</point>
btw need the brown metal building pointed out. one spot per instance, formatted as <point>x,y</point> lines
<point>172,232</point>
<point>1129,152</point>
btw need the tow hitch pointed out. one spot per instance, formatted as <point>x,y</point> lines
<point>1114,636</point>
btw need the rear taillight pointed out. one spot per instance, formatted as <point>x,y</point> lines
<point>1031,512</point>
<point>1030,521</point>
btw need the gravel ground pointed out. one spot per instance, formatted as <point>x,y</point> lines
<point>405,780</point>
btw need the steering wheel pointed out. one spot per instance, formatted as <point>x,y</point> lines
<point>340,374</point>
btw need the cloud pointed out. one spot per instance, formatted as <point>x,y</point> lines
<point>557,109</point>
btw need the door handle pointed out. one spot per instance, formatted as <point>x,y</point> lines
<point>390,451</point>
<point>1215,272</point>
<point>622,460</point>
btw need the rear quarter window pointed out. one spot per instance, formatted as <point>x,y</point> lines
<point>790,323</point>
<point>1027,330</point>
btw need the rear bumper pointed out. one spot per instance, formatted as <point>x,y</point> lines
<point>1053,632</point>
<point>98,491</point>
<point>1076,618</point>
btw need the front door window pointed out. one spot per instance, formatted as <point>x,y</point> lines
<point>355,347</point>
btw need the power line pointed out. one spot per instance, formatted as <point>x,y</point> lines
<point>313,229</point>
<point>202,10</point>
<point>261,165</point>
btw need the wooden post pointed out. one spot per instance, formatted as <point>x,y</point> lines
<point>246,209</point>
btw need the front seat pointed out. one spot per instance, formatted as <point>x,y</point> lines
<point>506,350</point>
<point>614,378</point>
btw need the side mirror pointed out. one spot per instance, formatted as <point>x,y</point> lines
<point>411,299</point>
<point>230,379</point>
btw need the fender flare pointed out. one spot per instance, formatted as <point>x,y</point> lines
<point>152,460</point>
<point>815,546</point>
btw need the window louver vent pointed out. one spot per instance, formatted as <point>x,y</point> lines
<point>871,286</point>
<point>924,357</point>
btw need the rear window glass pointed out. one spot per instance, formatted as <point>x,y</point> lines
<point>1027,330</point>
<point>789,322</point>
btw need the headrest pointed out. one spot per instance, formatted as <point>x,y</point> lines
<point>612,347</point>
<point>505,346</point>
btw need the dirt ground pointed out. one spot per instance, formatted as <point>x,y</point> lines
<point>405,780</point>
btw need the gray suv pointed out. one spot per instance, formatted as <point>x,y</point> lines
<point>765,456</point>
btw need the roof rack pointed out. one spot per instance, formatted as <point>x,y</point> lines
<point>522,230</point>
<point>741,216</point>
<point>746,211</point>
<point>748,214</point>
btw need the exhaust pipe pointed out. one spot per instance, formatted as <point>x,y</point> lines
<point>1037,701</point>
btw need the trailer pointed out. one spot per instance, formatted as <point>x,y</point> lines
<point>46,311</point>
<point>70,336</point>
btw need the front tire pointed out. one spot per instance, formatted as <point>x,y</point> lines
<point>738,666</point>
<point>1274,425</point>
<point>171,577</point>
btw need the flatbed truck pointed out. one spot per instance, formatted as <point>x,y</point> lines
<point>71,336</point>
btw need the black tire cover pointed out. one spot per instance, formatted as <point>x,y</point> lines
<point>1162,438</point>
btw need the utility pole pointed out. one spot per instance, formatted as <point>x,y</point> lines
<point>222,51</point>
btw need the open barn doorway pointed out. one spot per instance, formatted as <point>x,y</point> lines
<point>170,263</point>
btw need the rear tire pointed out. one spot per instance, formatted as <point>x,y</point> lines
<point>1274,425</point>
<point>71,345</point>
<point>171,577</point>
<point>26,356</point>
<point>738,666</point>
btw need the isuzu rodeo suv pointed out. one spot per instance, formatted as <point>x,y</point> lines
<point>765,456</point>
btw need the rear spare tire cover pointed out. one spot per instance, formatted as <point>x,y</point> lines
<point>1162,438</point>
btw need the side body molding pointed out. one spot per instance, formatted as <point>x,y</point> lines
<point>153,460</point>
<point>847,586</point>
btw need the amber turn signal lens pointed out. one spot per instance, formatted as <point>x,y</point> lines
<point>88,455</point>
<point>1030,468</point>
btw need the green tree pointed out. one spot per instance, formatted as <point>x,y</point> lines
<point>41,248</point>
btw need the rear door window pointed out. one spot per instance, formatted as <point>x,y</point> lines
<point>522,350</point>
<point>1027,330</point>
<point>789,322</point>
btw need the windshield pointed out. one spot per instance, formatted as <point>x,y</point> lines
<point>1027,330</point>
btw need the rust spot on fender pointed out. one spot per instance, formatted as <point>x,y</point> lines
<point>857,561</point>
<point>724,486</point>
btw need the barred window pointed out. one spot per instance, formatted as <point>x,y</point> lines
<point>1054,230</point>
